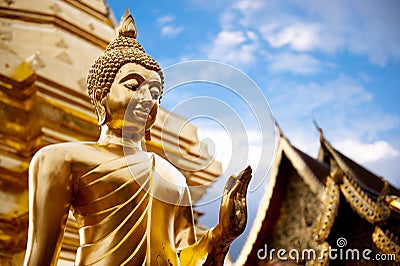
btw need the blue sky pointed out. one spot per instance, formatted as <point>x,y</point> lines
<point>335,61</point>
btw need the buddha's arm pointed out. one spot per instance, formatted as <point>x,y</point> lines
<point>50,192</point>
<point>210,249</point>
<point>214,245</point>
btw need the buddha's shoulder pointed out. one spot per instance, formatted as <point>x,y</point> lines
<point>168,172</point>
<point>66,151</point>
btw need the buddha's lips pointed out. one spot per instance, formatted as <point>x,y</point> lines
<point>141,114</point>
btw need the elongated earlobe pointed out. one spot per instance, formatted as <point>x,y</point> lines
<point>101,113</point>
<point>100,109</point>
<point>147,135</point>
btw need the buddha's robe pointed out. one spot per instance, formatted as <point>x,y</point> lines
<point>113,205</point>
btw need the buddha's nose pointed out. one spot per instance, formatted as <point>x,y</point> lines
<point>146,103</point>
<point>145,92</point>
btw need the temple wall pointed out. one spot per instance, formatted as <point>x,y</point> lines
<point>300,208</point>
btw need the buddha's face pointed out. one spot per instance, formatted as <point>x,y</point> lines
<point>133,98</point>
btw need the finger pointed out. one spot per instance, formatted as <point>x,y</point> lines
<point>230,183</point>
<point>245,175</point>
<point>242,192</point>
<point>246,181</point>
<point>244,178</point>
<point>235,189</point>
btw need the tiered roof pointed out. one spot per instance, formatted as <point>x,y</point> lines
<point>341,189</point>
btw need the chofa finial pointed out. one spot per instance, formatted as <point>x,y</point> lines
<point>321,132</point>
<point>278,129</point>
<point>127,25</point>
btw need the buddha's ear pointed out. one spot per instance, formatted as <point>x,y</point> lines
<point>99,107</point>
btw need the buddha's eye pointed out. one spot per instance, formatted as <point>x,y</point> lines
<point>132,81</point>
<point>131,87</point>
<point>155,93</point>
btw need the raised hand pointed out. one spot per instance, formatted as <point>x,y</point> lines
<point>212,248</point>
<point>233,211</point>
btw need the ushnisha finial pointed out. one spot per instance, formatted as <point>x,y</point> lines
<point>127,26</point>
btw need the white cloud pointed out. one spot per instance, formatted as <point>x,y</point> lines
<point>296,100</point>
<point>168,28</point>
<point>367,28</point>
<point>165,19</point>
<point>236,157</point>
<point>343,107</point>
<point>234,47</point>
<point>233,146</point>
<point>229,38</point>
<point>345,110</point>
<point>299,36</point>
<point>388,168</point>
<point>367,152</point>
<point>171,31</point>
<point>295,63</point>
<point>379,157</point>
<point>248,6</point>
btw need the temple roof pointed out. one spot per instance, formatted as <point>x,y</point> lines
<point>314,173</point>
<point>320,169</point>
<point>368,181</point>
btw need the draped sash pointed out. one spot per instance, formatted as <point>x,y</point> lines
<point>111,206</point>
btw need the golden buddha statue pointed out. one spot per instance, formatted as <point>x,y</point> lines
<point>114,198</point>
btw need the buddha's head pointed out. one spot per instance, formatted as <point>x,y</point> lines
<point>124,74</point>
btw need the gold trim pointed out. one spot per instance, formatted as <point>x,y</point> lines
<point>386,242</point>
<point>364,206</point>
<point>323,256</point>
<point>326,219</point>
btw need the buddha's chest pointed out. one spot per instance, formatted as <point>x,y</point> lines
<point>114,188</point>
